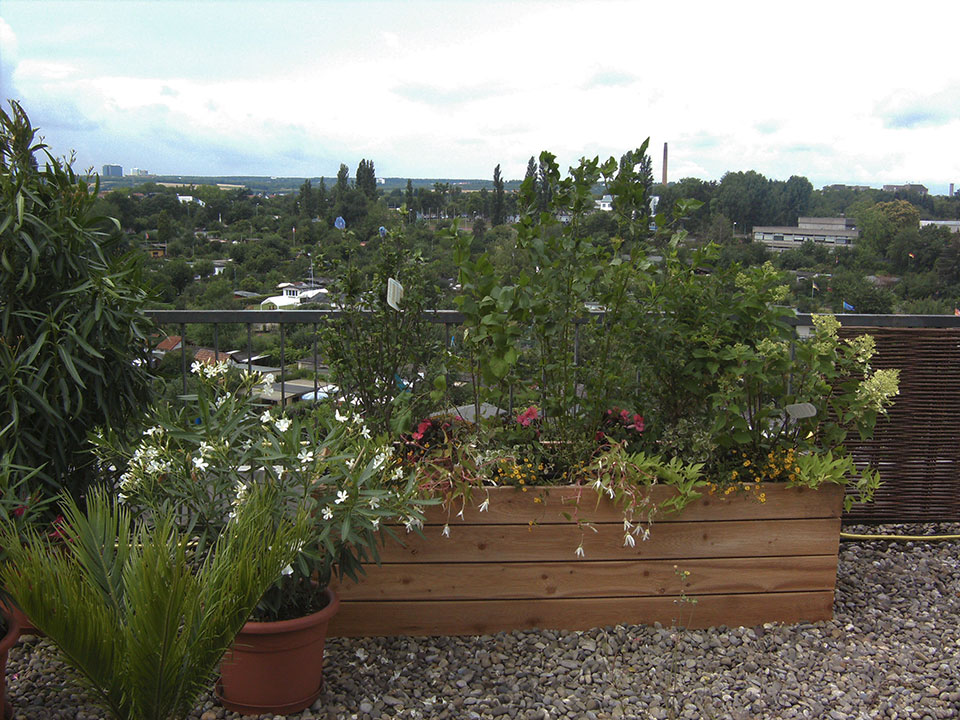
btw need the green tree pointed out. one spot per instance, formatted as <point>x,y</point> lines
<point>307,199</point>
<point>343,183</point>
<point>499,208</point>
<point>367,179</point>
<point>73,338</point>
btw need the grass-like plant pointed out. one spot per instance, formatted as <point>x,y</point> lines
<point>140,622</point>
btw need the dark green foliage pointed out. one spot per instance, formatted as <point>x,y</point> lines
<point>499,213</point>
<point>376,354</point>
<point>367,179</point>
<point>73,343</point>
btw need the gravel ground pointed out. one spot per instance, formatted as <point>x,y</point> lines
<point>892,651</point>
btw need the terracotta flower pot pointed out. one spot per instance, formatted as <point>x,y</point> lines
<point>276,667</point>
<point>25,624</point>
<point>6,642</point>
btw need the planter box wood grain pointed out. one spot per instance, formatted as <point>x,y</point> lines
<point>514,566</point>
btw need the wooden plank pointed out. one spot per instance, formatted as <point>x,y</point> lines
<point>573,579</point>
<point>360,619</point>
<point>511,543</point>
<point>510,505</point>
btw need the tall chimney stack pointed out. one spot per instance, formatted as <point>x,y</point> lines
<point>951,189</point>
<point>664,163</point>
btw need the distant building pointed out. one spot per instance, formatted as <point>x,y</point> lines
<point>953,225</point>
<point>139,172</point>
<point>112,171</point>
<point>605,203</point>
<point>836,232</point>
<point>911,188</point>
<point>293,295</point>
<point>184,199</point>
<point>841,186</point>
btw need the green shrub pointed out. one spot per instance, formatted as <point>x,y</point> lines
<point>73,343</point>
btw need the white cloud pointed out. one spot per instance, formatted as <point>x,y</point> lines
<point>452,90</point>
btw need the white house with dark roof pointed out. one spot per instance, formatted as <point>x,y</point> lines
<point>293,294</point>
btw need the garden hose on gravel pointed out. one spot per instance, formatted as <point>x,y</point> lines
<point>899,538</point>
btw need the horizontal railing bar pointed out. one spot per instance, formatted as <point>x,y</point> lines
<point>454,317</point>
<point>277,316</point>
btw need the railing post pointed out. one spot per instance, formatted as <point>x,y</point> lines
<point>183,356</point>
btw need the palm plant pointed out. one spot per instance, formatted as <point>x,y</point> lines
<point>141,620</point>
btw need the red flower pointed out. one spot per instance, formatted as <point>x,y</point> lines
<point>421,429</point>
<point>56,534</point>
<point>18,512</point>
<point>528,416</point>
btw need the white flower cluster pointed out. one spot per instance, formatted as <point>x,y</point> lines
<point>210,370</point>
<point>147,462</point>
<point>381,457</point>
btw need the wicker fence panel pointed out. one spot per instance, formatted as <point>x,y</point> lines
<point>917,447</point>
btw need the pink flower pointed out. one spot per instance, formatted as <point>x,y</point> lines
<point>528,416</point>
<point>421,429</point>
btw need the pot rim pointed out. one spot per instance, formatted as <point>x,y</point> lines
<point>254,627</point>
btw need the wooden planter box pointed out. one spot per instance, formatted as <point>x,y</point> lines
<point>748,563</point>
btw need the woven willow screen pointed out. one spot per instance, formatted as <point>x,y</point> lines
<point>917,447</point>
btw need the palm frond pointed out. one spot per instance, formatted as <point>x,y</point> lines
<point>143,627</point>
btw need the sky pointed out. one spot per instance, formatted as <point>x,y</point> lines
<point>863,93</point>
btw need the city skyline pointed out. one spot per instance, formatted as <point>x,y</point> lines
<point>842,93</point>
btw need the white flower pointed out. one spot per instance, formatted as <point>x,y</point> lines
<point>268,380</point>
<point>446,530</point>
<point>646,535</point>
<point>379,460</point>
<point>597,485</point>
<point>374,502</point>
<point>361,654</point>
<point>327,513</point>
<point>342,495</point>
<point>484,505</point>
<point>151,431</point>
<point>305,456</point>
<point>283,424</point>
<point>265,418</point>
<point>241,493</point>
<point>351,463</point>
<point>365,432</point>
<point>200,463</point>
<point>121,497</point>
<point>197,367</point>
<point>375,523</point>
<point>626,525</point>
<point>580,552</point>
<point>338,417</point>
<point>412,523</point>
<point>205,448</point>
<point>278,470</point>
<point>398,473</point>
<point>628,540</point>
<point>288,570</point>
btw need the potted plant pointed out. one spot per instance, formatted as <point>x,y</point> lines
<point>689,401</point>
<point>140,619</point>
<point>202,459</point>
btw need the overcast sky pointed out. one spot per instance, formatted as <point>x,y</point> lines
<point>865,93</point>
